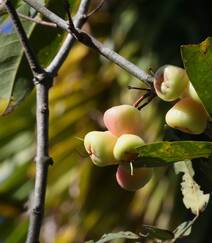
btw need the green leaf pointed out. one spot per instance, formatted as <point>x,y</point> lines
<point>119,235</point>
<point>165,153</point>
<point>47,47</point>
<point>155,233</point>
<point>15,75</point>
<point>197,60</point>
<point>15,80</point>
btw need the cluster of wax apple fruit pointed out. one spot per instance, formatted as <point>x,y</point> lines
<point>118,145</point>
<point>188,115</point>
<point>124,123</point>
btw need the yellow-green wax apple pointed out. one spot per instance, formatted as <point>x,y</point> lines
<point>125,147</point>
<point>99,146</point>
<point>187,116</point>
<point>170,82</point>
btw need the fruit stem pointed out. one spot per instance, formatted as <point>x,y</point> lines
<point>150,98</point>
<point>141,98</point>
<point>131,169</point>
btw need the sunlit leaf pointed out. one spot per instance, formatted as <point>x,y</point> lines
<point>13,87</point>
<point>15,76</point>
<point>165,153</point>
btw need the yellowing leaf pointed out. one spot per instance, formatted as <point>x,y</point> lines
<point>193,197</point>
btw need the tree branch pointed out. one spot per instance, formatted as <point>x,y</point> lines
<point>31,58</point>
<point>91,42</point>
<point>60,57</point>
<point>42,82</point>
<point>42,162</point>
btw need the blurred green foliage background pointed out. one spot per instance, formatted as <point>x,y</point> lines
<point>83,202</point>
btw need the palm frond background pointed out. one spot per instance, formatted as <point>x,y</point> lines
<point>83,202</point>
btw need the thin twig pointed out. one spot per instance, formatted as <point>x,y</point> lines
<point>90,41</point>
<point>34,65</point>
<point>61,55</point>
<point>38,21</point>
<point>48,14</point>
<point>96,9</point>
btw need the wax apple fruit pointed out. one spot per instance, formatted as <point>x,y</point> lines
<point>123,119</point>
<point>133,182</point>
<point>187,116</point>
<point>170,82</point>
<point>99,146</point>
<point>125,147</point>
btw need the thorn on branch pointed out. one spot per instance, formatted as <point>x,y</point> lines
<point>38,21</point>
<point>96,9</point>
<point>78,34</point>
<point>71,26</point>
<point>67,9</point>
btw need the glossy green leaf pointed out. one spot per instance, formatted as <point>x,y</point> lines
<point>155,233</point>
<point>14,85</point>
<point>15,75</point>
<point>164,153</point>
<point>46,48</point>
<point>119,235</point>
<point>197,60</point>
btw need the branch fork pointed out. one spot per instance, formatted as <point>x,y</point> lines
<point>43,79</point>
